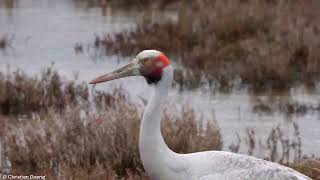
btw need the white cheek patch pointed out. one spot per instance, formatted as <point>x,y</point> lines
<point>159,64</point>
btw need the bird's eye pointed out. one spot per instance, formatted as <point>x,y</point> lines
<point>146,61</point>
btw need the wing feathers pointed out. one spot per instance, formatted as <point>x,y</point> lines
<point>219,165</point>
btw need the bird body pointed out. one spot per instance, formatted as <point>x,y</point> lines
<point>160,162</point>
<point>221,165</point>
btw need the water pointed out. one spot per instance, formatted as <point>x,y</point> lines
<point>46,32</point>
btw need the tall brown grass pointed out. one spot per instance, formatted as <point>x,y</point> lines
<point>265,45</point>
<point>24,95</point>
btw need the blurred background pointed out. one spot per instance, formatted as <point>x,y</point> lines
<point>246,80</point>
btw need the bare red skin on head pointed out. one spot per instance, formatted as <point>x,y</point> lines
<point>164,60</point>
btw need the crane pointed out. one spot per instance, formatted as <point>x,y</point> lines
<point>160,162</point>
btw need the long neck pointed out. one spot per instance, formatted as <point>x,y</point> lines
<point>153,149</point>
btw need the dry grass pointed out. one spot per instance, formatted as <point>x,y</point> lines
<point>265,45</point>
<point>310,167</point>
<point>281,149</point>
<point>68,141</point>
<point>109,140</point>
<point>23,95</point>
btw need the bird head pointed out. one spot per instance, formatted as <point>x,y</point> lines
<point>148,63</point>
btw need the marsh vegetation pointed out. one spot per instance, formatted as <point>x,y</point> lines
<point>264,46</point>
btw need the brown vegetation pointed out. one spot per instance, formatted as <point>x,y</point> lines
<point>284,105</point>
<point>281,149</point>
<point>265,45</point>
<point>23,95</point>
<point>276,148</point>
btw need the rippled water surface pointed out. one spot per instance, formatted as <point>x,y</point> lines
<point>45,32</point>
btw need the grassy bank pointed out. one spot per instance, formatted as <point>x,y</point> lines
<point>264,46</point>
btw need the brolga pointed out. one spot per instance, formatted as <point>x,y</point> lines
<point>159,161</point>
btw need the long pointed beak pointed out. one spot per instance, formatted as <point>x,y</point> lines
<point>131,69</point>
